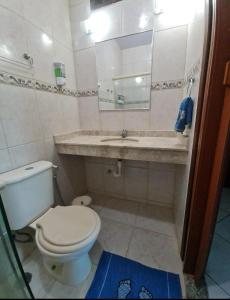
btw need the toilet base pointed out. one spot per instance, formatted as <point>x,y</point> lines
<point>72,272</point>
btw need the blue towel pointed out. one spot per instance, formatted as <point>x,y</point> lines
<point>185,114</point>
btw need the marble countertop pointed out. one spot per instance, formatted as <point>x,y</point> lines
<point>160,146</point>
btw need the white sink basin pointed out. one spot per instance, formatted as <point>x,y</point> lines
<point>119,140</point>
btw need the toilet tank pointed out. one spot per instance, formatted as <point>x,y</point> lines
<point>27,193</point>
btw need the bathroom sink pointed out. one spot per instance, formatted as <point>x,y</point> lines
<point>119,140</point>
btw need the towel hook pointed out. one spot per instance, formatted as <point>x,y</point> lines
<point>190,85</point>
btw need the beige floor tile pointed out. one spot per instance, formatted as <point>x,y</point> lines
<point>155,250</point>
<point>114,237</point>
<point>98,202</point>
<point>121,211</point>
<point>156,218</point>
<point>41,281</point>
<point>61,291</point>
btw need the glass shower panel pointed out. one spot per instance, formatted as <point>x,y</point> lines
<point>12,277</point>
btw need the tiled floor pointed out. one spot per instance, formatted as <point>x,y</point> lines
<point>218,267</point>
<point>140,232</point>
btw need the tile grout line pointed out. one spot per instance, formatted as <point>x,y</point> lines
<point>222,219</point>
<point>142,228</point>
<point>217,284</point>
<point>220,236</point>
<point>131,237</point>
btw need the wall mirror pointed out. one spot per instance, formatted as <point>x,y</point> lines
<point>124,72</point>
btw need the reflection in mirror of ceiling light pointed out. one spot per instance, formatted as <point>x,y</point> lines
<point>5,51</point>
<point>175,12</point>
<point>143,22</point>
<point>139,80</point>
<point>98,25</point>
<point>46,39</point>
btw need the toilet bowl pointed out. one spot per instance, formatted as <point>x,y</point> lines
<point>64,237</point>
<point>64,234</point>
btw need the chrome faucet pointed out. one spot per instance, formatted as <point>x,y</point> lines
<point>124,133</point>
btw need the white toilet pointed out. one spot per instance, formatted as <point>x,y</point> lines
<point>64,235</point>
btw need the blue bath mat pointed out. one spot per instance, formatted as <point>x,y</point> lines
<point>121,278</point>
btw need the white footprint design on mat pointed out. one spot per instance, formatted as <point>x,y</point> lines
<point>124,289</point>
<point>145,294</point>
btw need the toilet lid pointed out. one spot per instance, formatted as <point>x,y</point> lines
<point>66,226</point>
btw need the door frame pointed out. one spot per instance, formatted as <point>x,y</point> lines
<point>197,233</point>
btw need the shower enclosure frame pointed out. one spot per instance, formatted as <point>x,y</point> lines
<point>14,250</point>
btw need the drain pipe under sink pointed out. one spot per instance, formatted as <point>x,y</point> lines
<point>117,172</point>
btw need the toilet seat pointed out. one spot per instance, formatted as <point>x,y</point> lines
<point>63,229</point>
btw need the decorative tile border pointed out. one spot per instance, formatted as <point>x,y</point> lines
<point>162,85</point>
<point>87,93</point>
<point>166,85</point>
<point>31,83</point>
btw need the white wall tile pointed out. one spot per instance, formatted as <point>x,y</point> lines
<point>136,164</point>
<point>164,109</point>
<point>2,138</point>
<point>161,186</point>
<point>169,54</point>
<point>134,11</point>
<point>70,113</point>
<point>115,14</point>
<point>94,175</point>
<point>195,42</point>
<point>80,11</point>
<point>111,120</point>
<point>50,151</point>
<point>136,183</point>
<point>113,185</point>
<point>177,14</point>
<point>14,5</point>
<point>77,2</point>
<point>136,120</point>
<point>69,108</point>
<point>19,115</point>
<point>38,13</point>
<point>50,111</point>
<point>26,154</point>
<point>61,22</point>
<point>85,66</point>
<point>28,119</point>
<point>42,53</point>
<point>89,113</point>
<point>5,161</point>
<point>13,44</point>
<point>78,14</point>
